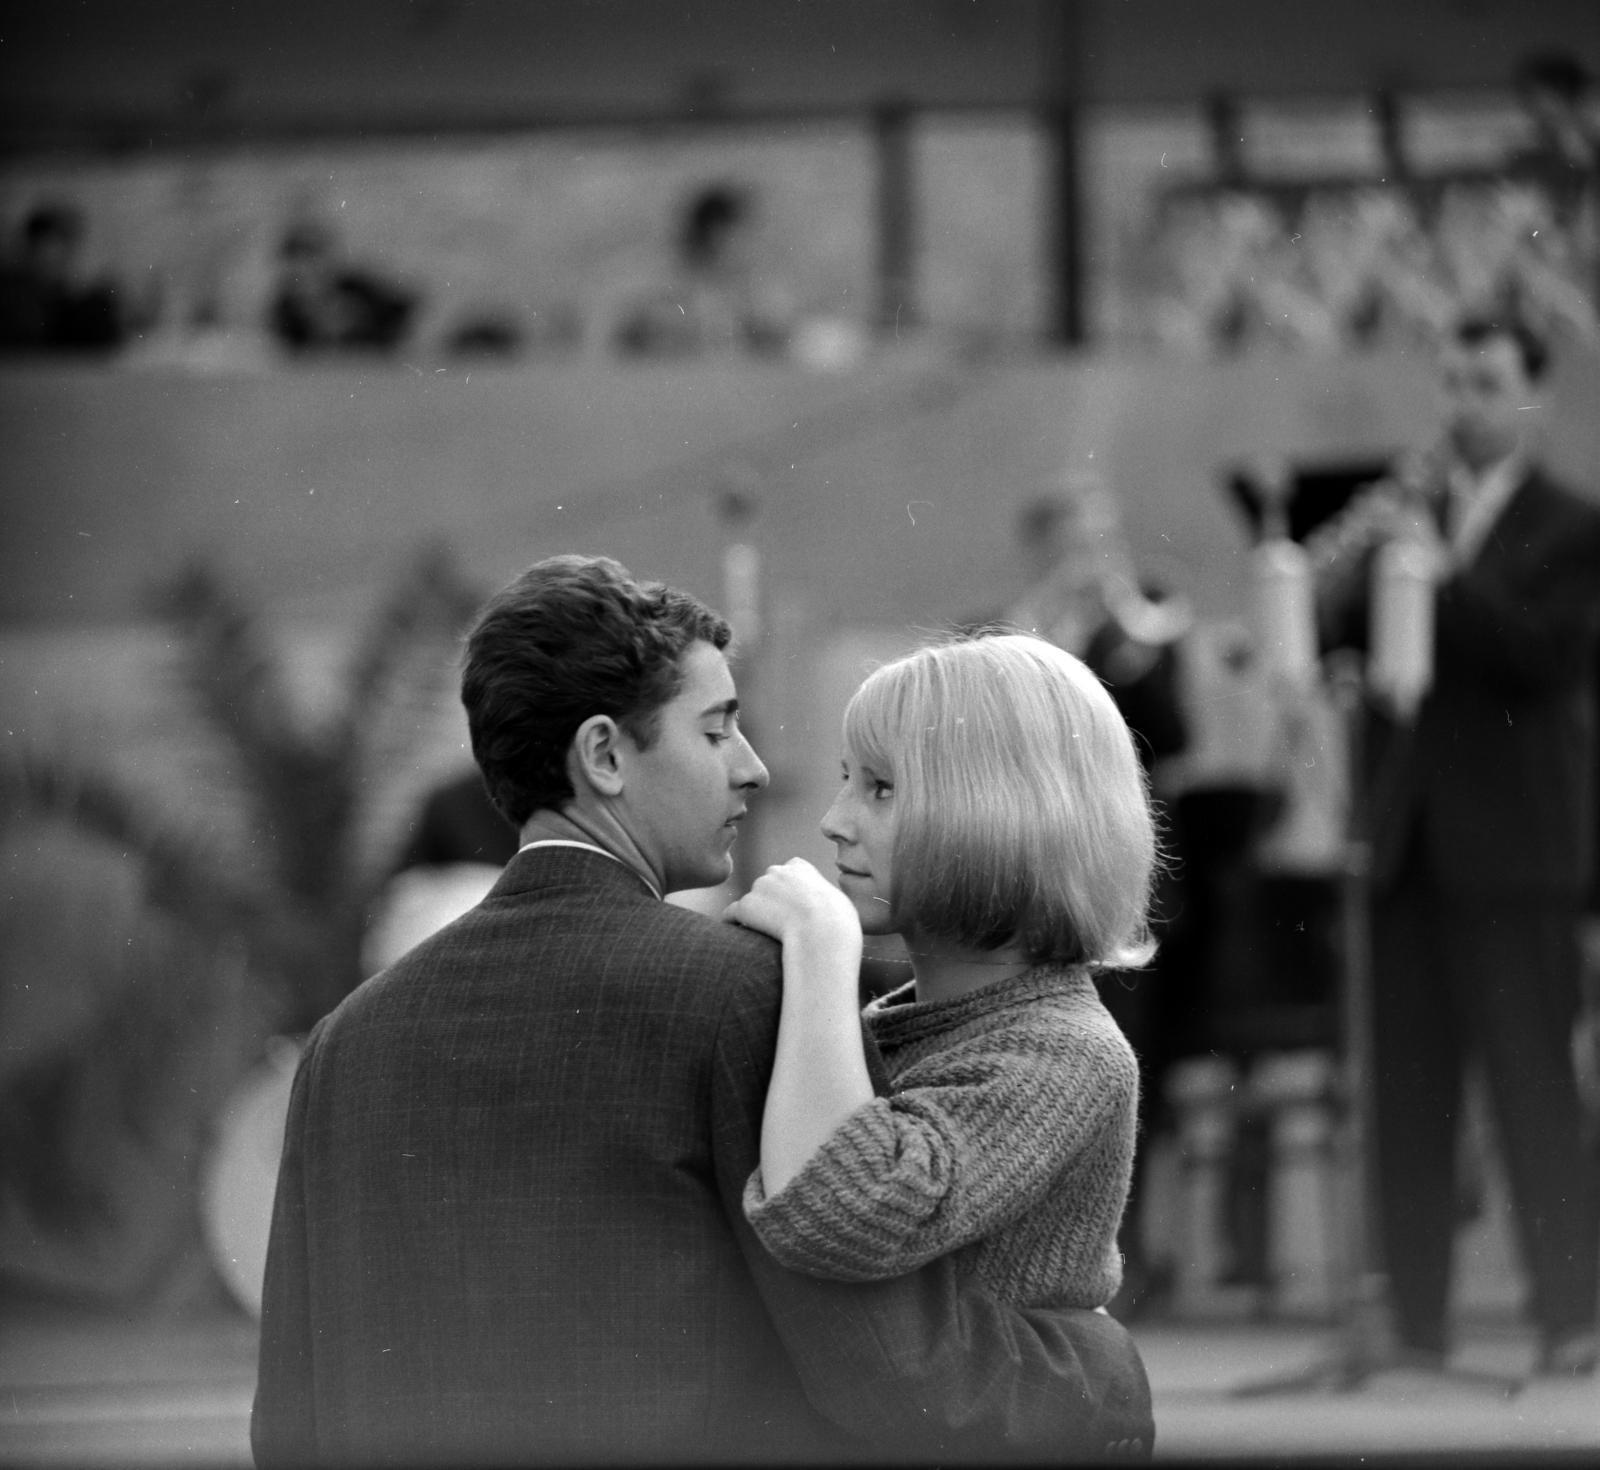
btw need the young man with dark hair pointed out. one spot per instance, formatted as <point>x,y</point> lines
<point>1478,805</point>
<point>508,1224</point>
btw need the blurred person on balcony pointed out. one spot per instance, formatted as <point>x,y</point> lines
<point>714,300</point>
<point>324,300</point>
<point>48,301</point>
<point>1479,808</point>
<point>1563,158</point>
<point>1564,153</point>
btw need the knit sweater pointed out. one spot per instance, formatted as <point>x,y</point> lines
<point>1007,1138</point>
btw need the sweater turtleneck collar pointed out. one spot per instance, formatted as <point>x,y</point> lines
<point>900,1017</point>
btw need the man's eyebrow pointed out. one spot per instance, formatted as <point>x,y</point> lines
<point>726,708</point>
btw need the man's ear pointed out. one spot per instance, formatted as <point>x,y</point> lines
<point>592,758</point>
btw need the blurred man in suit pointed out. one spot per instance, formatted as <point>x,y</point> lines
<point>508,1223</point>
<point>1478,804</point>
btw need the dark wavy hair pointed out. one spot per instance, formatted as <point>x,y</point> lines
<point>573,636</point>
<point>1476,328</point>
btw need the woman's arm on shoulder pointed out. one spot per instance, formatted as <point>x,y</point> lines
<point>972,1138</point>
<point>819,1074</point>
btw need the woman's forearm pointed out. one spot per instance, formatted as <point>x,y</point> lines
<point>819,1074</point>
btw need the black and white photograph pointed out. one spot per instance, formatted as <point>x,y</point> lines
<point>799,732</point>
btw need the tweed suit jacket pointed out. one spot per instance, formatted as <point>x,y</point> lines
<point>508,1226</point>
<point>1495,778</point>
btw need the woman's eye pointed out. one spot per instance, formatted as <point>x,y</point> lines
<point>881,789</point>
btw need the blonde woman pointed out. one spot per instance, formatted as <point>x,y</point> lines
<point>995,814</point>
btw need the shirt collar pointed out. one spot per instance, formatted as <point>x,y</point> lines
<point>588,847</point>
<point>1478,500</point>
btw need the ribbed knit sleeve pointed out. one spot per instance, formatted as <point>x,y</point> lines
<point>1023,1119</point>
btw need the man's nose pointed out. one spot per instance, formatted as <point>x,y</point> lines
<point>749,772</point>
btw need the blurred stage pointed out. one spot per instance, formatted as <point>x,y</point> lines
<point>88,1393</point>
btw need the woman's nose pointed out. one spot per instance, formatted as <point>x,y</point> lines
<point>835,823</point>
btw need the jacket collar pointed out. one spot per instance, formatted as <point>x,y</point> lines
<point>564,865</point>
<point>591,847</point>
<point>1519,517</point>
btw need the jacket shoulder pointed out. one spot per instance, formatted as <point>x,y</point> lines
<point>747,964</point>
<point>1552,498</point>
<point>641,941</point>
<point>696,932</point>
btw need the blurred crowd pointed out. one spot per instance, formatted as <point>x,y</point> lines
<point>710,295</point>
<point>48,302</point>
<point>1228,260</point>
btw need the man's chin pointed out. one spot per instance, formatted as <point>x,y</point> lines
<point>713,873</point>
<point>1477,449</point>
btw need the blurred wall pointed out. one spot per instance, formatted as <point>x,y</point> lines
<point>884,496</point>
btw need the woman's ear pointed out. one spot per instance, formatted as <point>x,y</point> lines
<point>592,758</point>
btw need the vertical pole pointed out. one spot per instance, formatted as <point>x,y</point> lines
<point>1061,117</point>
<point>736,506</point>
<point>1365,1286</point>
<point>896,218</point>
<point>1390,121</point>
<point>1225,123</point>
<point>1067,255</point>
<point>1202,1091</point>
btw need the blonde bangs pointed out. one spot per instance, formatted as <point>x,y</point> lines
<point>873,722</point>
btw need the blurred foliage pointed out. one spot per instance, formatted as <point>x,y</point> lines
<point>312,788</point>
<point>124,1027</point>
<point>148,951</point>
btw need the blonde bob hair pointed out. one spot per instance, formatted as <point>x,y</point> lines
<point>1022,812</point>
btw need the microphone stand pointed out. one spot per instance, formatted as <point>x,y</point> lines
<point>736,505</point>
<point>1363,1344</point>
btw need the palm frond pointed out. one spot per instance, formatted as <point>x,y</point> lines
<point>138,1061</point>
<point>401,685</point>
<point>228,666</point>
<point>295,777</point>
<point>428,603</point>
<point>314,795</point>
<point>185,876</point>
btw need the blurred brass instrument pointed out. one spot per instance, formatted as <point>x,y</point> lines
<point>1094,584</point>
<point>1389,535</point>
<point>1406,501</point>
